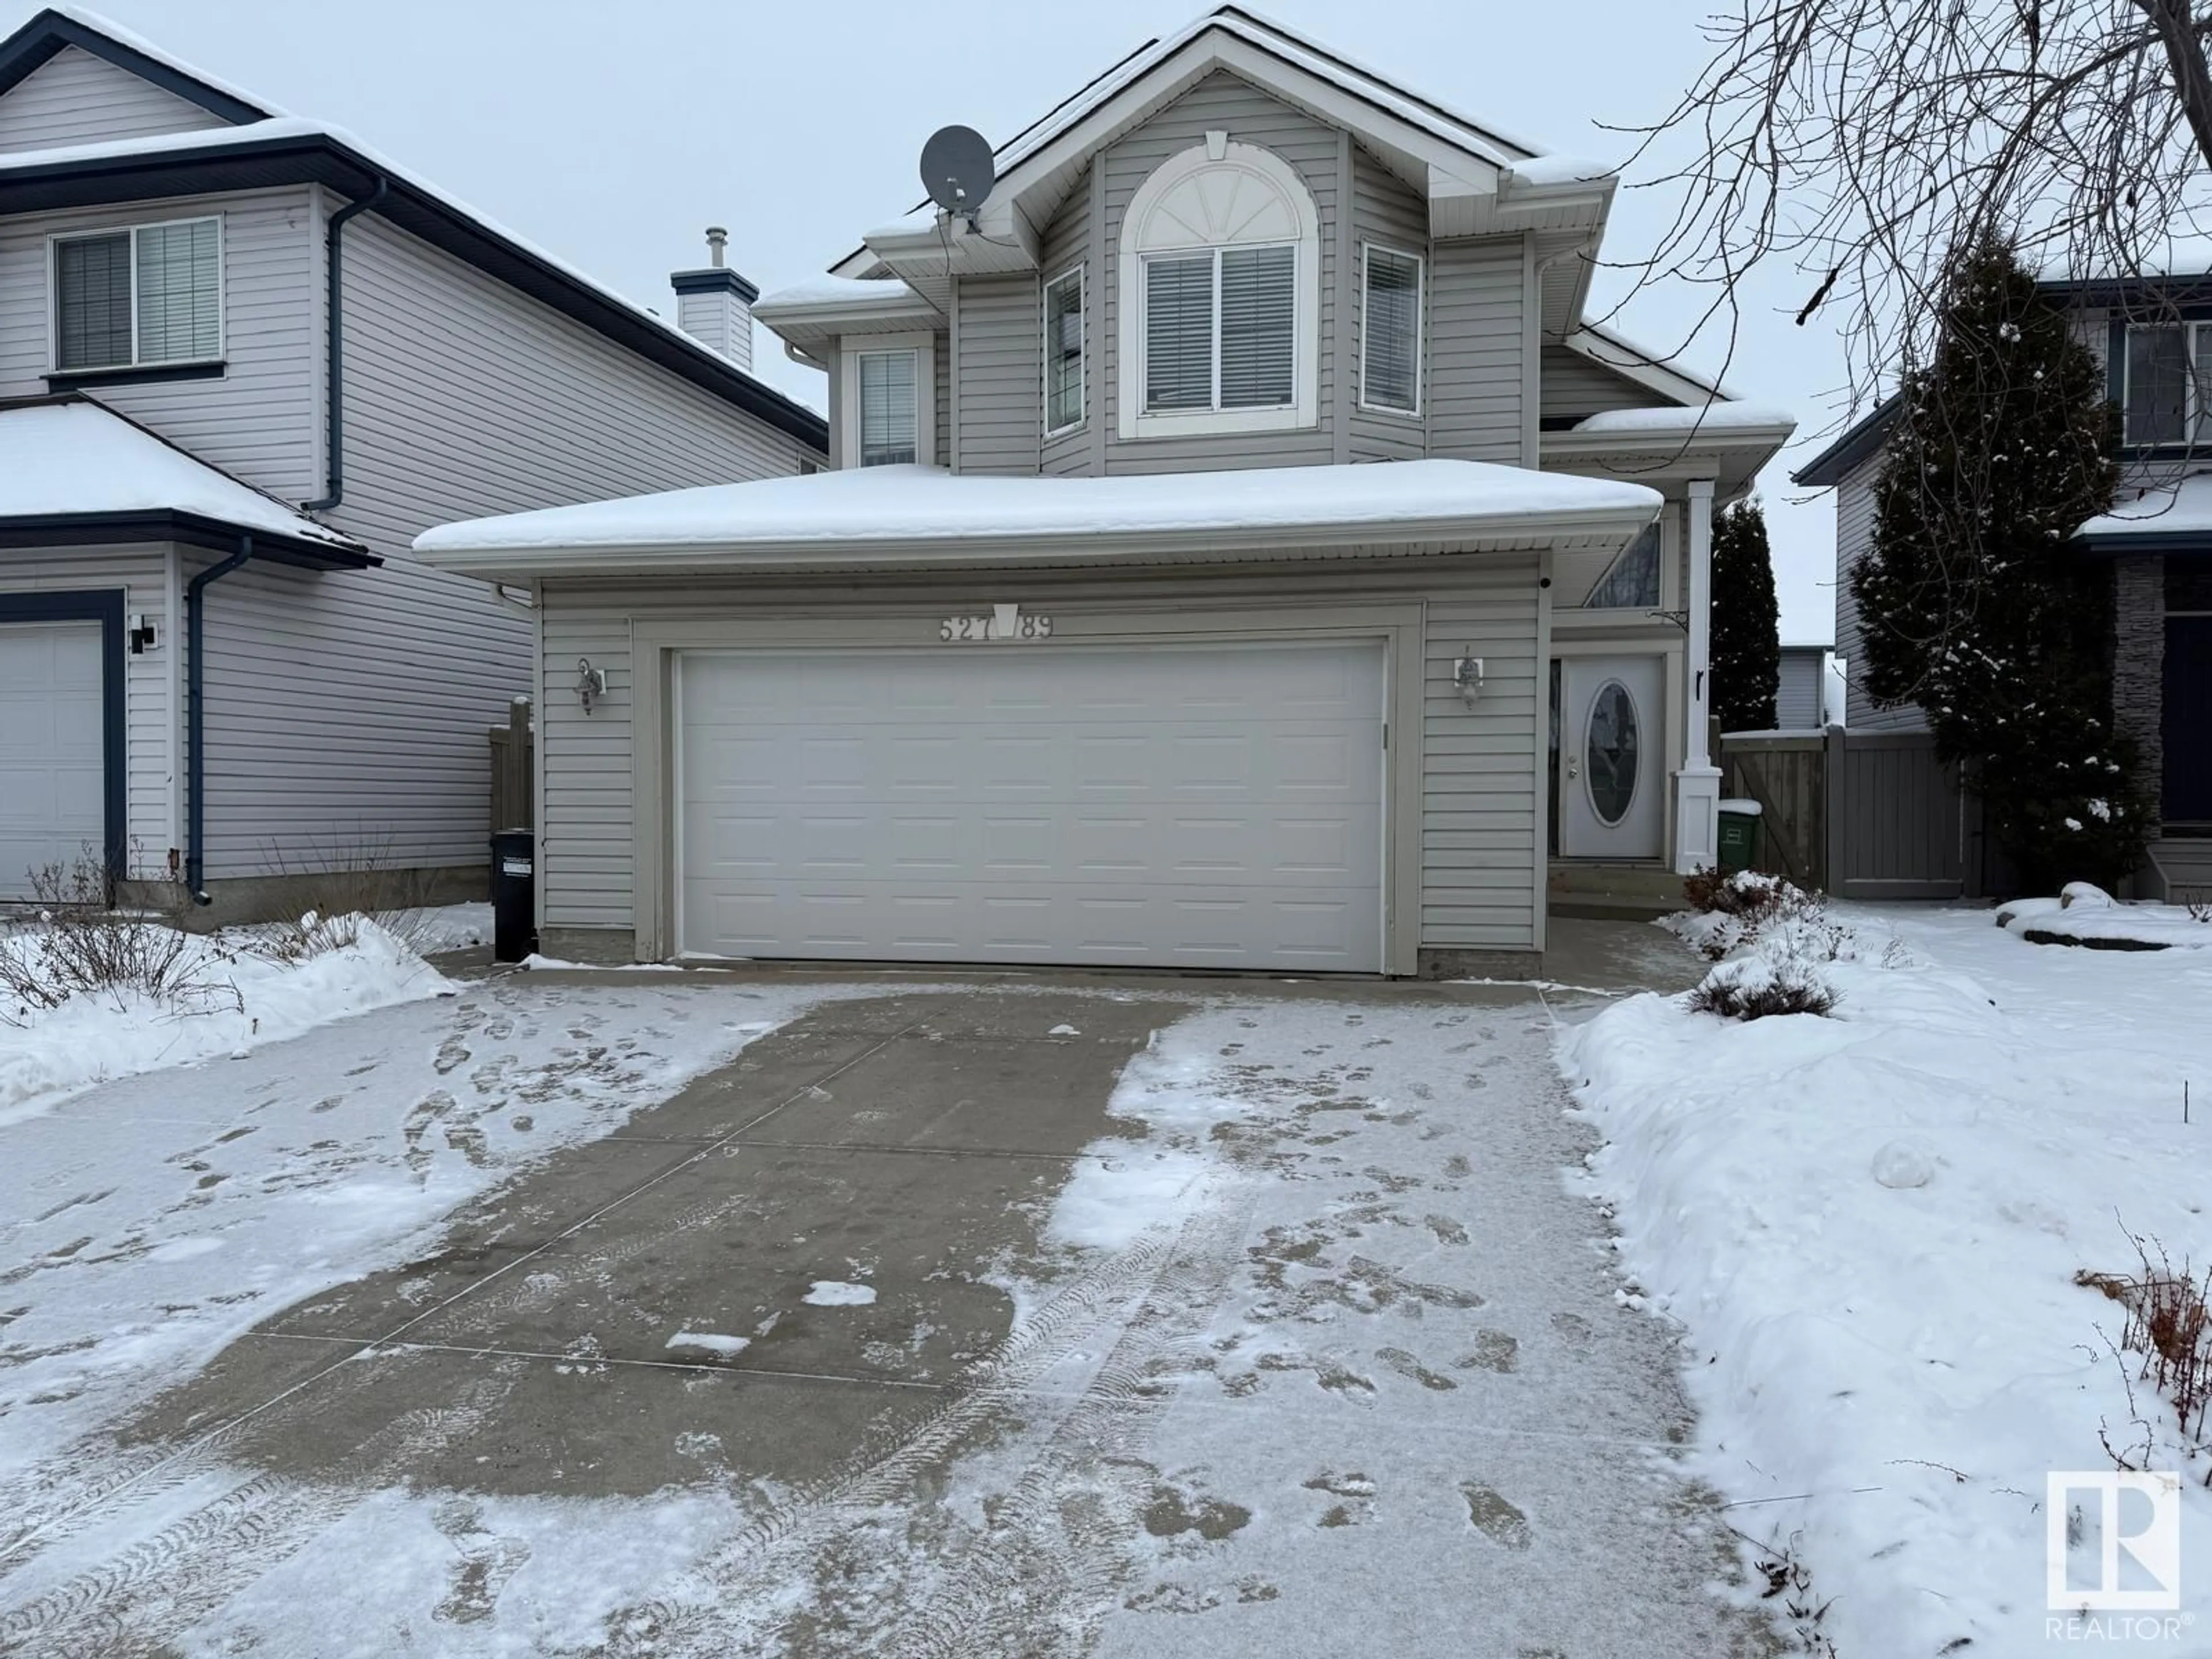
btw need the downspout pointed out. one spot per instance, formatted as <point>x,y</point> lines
<point>334,374</point>
<point>195,717</point>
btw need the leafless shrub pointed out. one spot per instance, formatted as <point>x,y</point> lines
<point>1789,1586</point>
<point>2199,909</point>
<point>1751,906</point>
<point>2169,1328</point>
<point>1756,986</point>
<point>351,881</point>
<point>76,944</point>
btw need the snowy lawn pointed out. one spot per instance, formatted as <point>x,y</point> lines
<point>1870,1225</point>
<point>224,993</point>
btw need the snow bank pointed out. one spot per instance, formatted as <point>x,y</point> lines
<point>2084,915</point>
<point>1870,1223</point>
<point>47,1054</point>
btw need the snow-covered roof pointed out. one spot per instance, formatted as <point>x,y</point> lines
<point>139,43</point>
<point>71,456</point>
<point>1714,418</point>
<point>2169,506</point>
<point>927,513</point>
<point>213,143</point>
<point>824,292</point>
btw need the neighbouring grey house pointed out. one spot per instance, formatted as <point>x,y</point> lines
<point>1238,551</point>
<point>1801,691</point>
<point>243,363</point>
<point>2157,541</point>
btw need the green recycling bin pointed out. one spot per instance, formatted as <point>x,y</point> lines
<point>1739,838</point>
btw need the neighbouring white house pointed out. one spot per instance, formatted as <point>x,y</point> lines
<point>1238,551</point>
<point>244,360</point>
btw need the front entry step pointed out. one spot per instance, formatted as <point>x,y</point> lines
<point>1613,892</point>
<point>2183,870</point>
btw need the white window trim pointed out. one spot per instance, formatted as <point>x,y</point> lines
<point>851,349</point>
<point>1133,423</point>
<point>1083,354</point>
<point>89,233</point>
<point>2197,411</point>
<point>1421,329</point>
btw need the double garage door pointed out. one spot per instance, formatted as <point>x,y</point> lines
<point>1214,806</point>
<point>53,760</point>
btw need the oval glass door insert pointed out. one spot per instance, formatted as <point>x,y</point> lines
<point>1610,752</point>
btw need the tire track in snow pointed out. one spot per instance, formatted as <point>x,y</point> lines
<point>139,1599</point>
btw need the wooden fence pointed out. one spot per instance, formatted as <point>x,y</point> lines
<point>515,770</point>
<point>1863,815</point>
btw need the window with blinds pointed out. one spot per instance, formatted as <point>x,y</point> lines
<point>1220,329</point>
<point>1063,352</point>
<point>889,417</point>
<point>1390,339</point>
<point>138,298</point>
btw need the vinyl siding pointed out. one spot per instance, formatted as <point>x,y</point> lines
<point>141,572</point>
<point>258,420</point>
<point>1067,243</point>
<point>1855,505</point>
<point>1477,804</point>
<point>1797,696</point>
<point>1384,211</point>
<point>998,354</point>
<point>585,858</point>
<point>940,357</point>
<point>347,713</point>
<point>75,98</point>
<point>1478,787</point>
<point>1477,342</point>
<point>1574,386</point>
<point>465,399</point>
<point>1220,103</point>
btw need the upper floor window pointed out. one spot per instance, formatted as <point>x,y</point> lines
<point>2167,395</point>
<point>1633,583</point>
<point>1063,351</point>
<point>138,298</point>
<point>887,400</point>
<point>1221,255</point>
<point>1391,331</point>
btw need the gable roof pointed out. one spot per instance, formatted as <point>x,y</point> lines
<point>1464,167</point>
<point>261,149</point>
<point>73,471</point>
<point>30,48</point>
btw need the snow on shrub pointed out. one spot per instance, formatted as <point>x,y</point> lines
<point>1753,987</point>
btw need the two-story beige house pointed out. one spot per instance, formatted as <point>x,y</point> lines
<point>1237,552</point>
<point>244,360</point>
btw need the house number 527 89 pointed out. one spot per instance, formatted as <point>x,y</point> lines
<point>1007,623</point>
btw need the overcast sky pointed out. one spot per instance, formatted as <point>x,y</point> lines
<point>613,134</point>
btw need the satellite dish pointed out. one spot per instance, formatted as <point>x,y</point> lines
<point>956,169</point>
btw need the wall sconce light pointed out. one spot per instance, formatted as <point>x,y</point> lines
<point>144,634</point>
<point>591,683</point>
<point>1467,679</point>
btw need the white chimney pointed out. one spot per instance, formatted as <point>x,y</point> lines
<point>715,306</point>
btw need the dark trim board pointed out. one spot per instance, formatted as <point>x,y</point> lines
<point>38,41</point>
<point>153,375</point>
<point>104,607</point>
<point>191,529</point>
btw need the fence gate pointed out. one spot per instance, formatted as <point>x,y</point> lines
<point>1863,814</point>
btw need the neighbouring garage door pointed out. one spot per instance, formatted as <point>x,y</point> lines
<point>1179,806</point>
<point>53,761</point>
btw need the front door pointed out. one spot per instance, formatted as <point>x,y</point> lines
<point>1613,780</point>
<point>2187,726</point>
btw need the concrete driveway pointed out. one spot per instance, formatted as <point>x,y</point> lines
<point>1012,1317</point>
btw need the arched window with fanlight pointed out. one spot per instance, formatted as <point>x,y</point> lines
<point>1220,282</point>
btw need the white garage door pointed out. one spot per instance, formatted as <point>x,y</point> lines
<point>1180,807</point>
<point>52,762</point>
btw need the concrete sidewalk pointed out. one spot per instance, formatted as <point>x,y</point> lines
<point>795,1362</point>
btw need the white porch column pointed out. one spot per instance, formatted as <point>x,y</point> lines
<point>1697,784</point>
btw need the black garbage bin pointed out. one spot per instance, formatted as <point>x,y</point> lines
<point>513,894</point>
